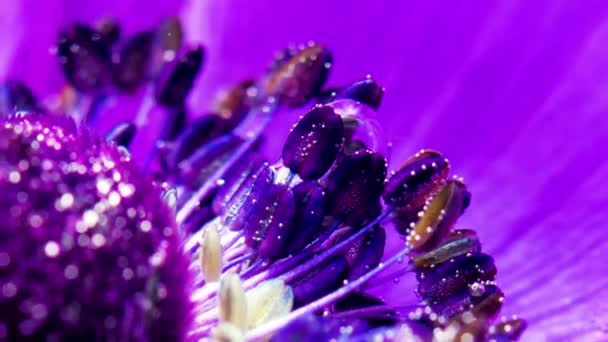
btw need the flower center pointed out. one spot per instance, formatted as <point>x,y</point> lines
<point>292,248</point>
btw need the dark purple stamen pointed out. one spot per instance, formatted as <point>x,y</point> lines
<point>271,221</point>
<point>507,331</point>
<point>169,38</point>
<point>236,103</point>
<point>131,64</point>
<point>366,306</point>
<point>355,185</point>
<point>366,91</point>
<point>233,182</point>
<point>252,191</point>
<point>175,123</point>
<point>417,178</point>
<point>454,276</point>
<point>15,97</point>
<point>109,29</point>
<point>299,75</point>
<point>366,253</point>
<point>177,78</point>
<point>313,144</point>
<point>308,222</point>
<point>84,57</point>
<point>122,134</point>
<point>324,279</point>
<point>464,300</point>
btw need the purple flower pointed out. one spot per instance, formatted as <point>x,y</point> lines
<point>511,93</point>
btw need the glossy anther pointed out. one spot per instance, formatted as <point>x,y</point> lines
<point>355,185</point>
<point>313,144</point>
<point>438,217</point>
<point>299,75</point>
<point>174,125</point>
<point>122,134</point>
<point>366,253</point>
<point>310,210</point>
<point>270,224</point>
<point>131,64</point>
<point>109,29</point>
<point>169,37</point>
<point>366,91</point>
<point>84,57</point>
<point>448,250</point>
<point>252,191</point>
<point>417,178</point>
<point>232,182</point>
<point>320,281</point>
<point>236,102</point>
<point>465,300</point>
<point>507,330</point>
<point>15,97</point>
<point>455,275</point>
<point>195,170</point>
<point>176,79</point>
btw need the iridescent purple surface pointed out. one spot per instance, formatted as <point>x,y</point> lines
<point>512,93</point>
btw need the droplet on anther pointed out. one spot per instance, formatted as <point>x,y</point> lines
<point>417,178</point>
<point>454,276</point>
<point>509,330</point>
<point>310,210</point>
<point>366,91</point>
<point>324,279</point>
<point>366,253</point>
<point>361,125</point>
<point>299,76</point>
<point>238,210</point>
<point>269,226</point>
<point>313,144</point>
<point>131,64</point>
<point>489,306</point>
<point>438,218</point>
<point>122,134</point>
<point>355,185</point>
<point>465,300</point>
<point>176,79</point>
<point>16,97</point>
<point>84,57</point>
<point>232,182</point>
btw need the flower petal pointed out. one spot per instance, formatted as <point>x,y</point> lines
<point>512,92</point>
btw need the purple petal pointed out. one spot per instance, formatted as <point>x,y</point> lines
<point>511,92</point>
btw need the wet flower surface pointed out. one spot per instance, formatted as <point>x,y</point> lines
<point>512,99</point>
